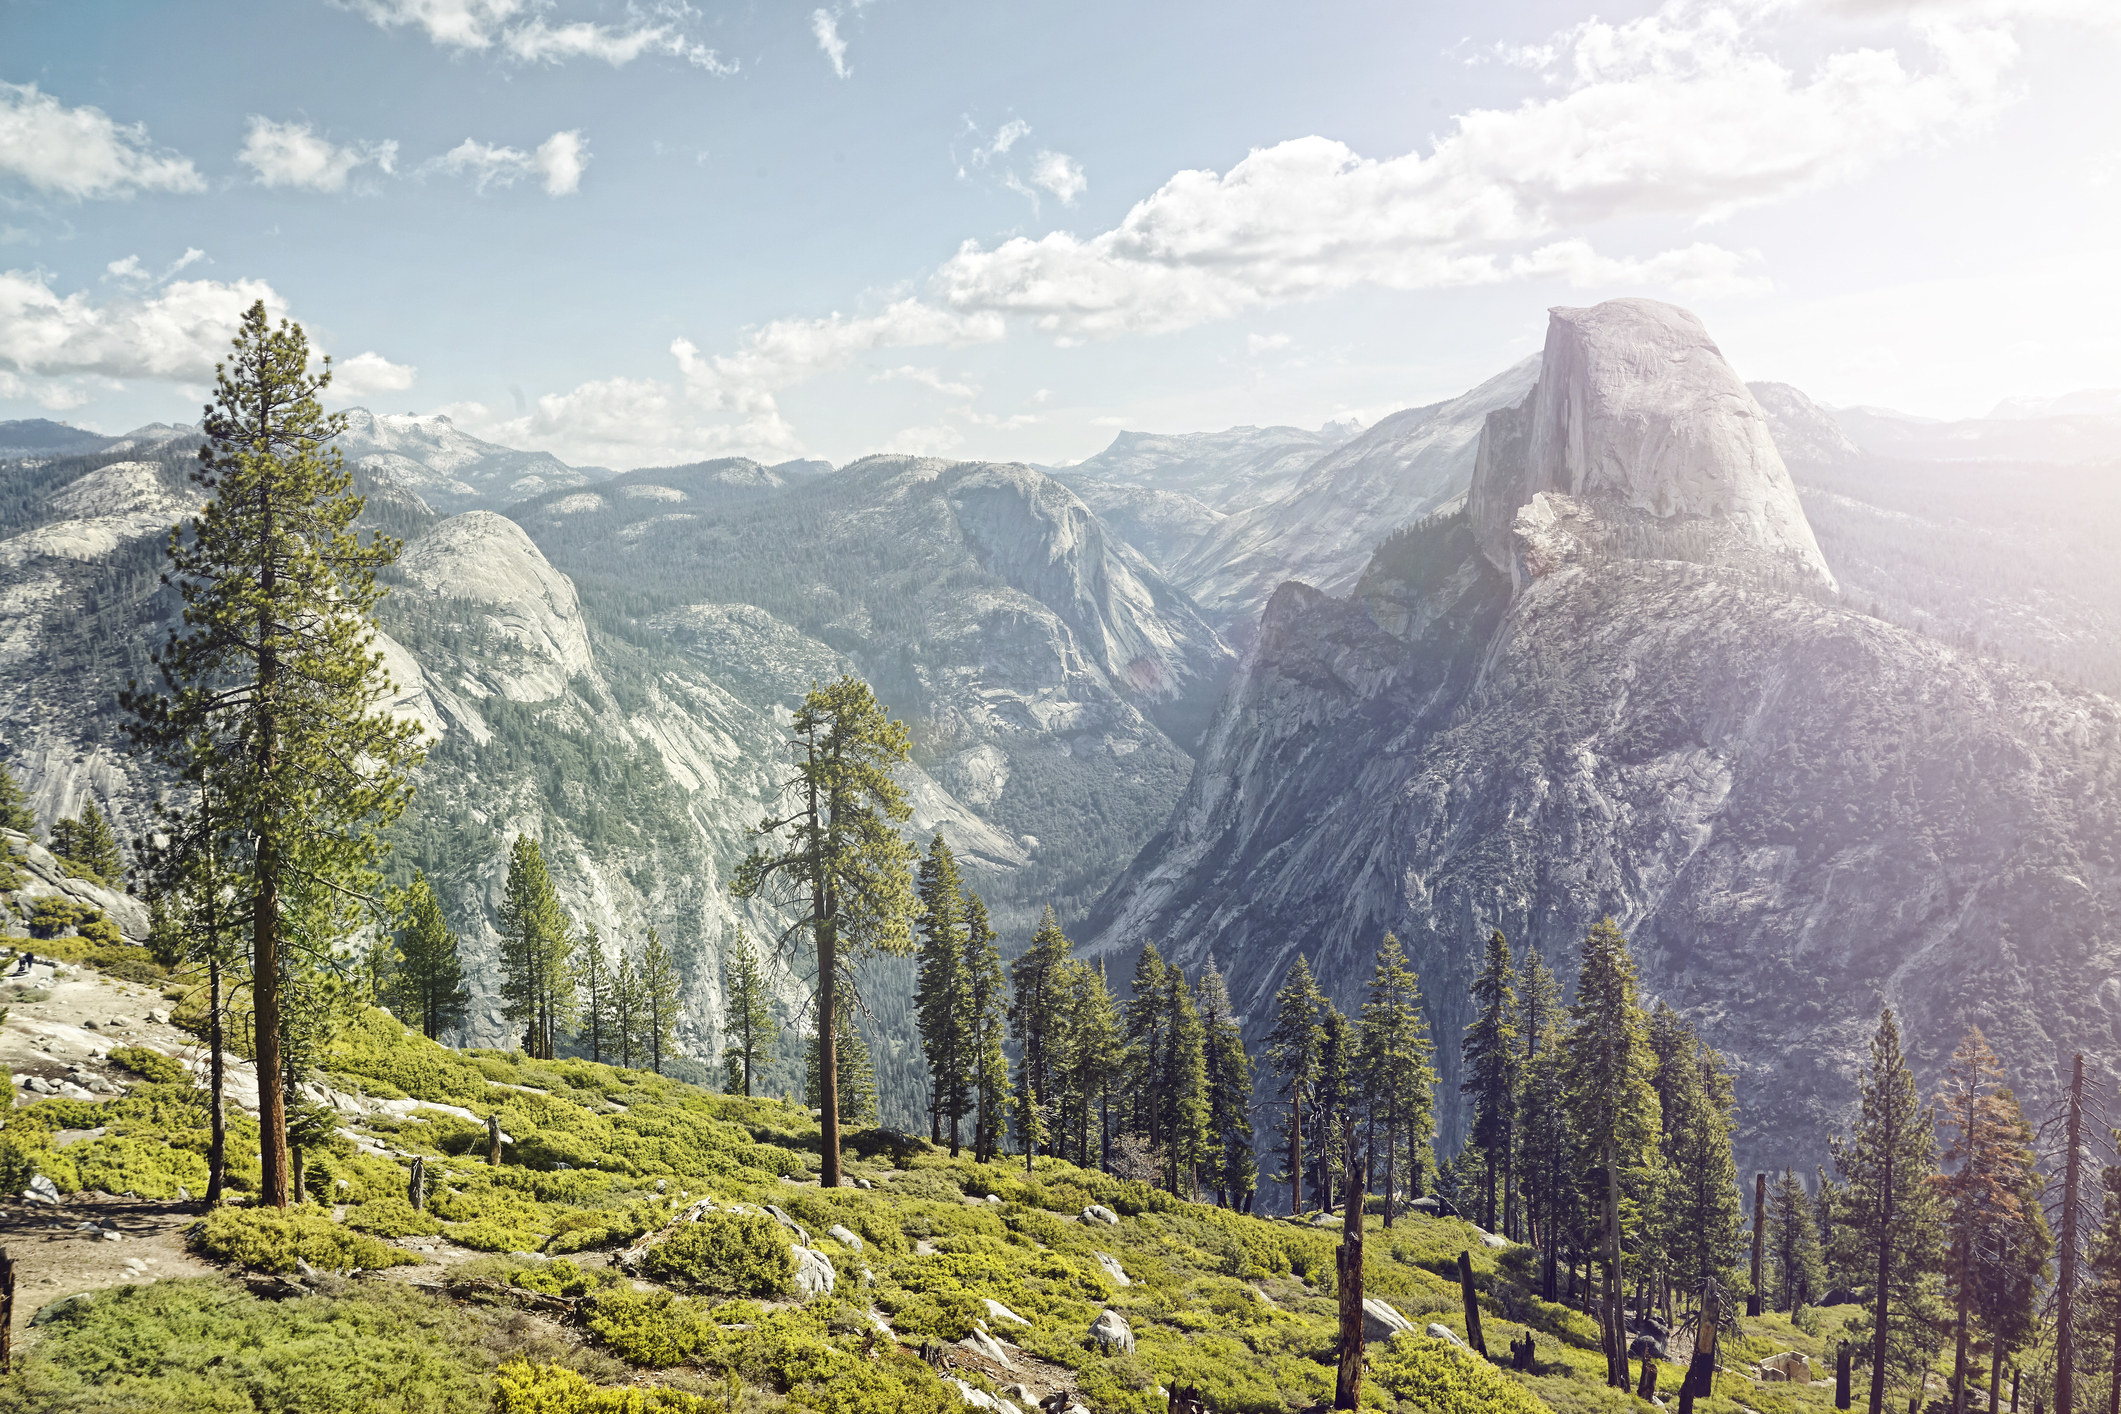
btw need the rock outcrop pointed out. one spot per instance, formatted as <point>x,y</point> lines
<point>1798,813</point>
<point>1638,440</point>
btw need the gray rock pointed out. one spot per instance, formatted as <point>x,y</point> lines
<point>41,1190</point>
<point>1380,1321</point>
<point>985,1344</point>
<point>801,1235</point>
<point>996,1311</point>
<point>64,1306</point>
<point>1438,1331</point>
<point>1109,1264</point>
<point>1112,1333</point>
<point>845,1236</point>
<point>814,1275</point>
<point>1099,1213</point>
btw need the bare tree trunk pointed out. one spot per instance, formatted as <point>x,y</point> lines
<point>265,1000</point>
<point>1752,1304</point>
<point>1879,1302</point>
<point>1615,1323</point>
<point>2066,1282</point>
<point>1959,1336</point>
<point>1347,1387</point>
<point>217,1078</point>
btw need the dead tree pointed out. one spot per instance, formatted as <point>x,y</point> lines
<point>1347,1387</point>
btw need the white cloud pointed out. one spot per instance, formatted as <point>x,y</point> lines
<point>367,374</point>
<point>1676,115</point>
<point>826,26</point>
<point>293,155</point>
<point>2098,14</point>
<point>559,161</point>
<point>1257,344</point>
<point>512,28</point>
<point>81,152</point>
<point>175,334</point>
<point>1060,174</point>
<point>127,270</point>
<point>1006,136</point>
<point>131,272</point>
<point>930,378</point>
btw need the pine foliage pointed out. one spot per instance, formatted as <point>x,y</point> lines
<point>749,1029</point>
<point>426,984</point>
<point>537,939</point>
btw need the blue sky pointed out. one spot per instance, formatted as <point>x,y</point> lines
<point>647,232</point>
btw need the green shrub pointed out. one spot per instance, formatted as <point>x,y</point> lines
<point>391,1217</point>
<point>897,1384</point>
<point>524,1388</point>
<point>206,1346</point>
<point>270,1240</point>
<point>652,1328</point>
<point>145,1060</point>
<point>125,1163</point>
<point>50,917</point>
<point>1434,1375</point>
<point>490,1235</point>
<point>935,1184</point>
<point>724,1254</point>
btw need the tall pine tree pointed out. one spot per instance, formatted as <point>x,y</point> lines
<point>1546,1149</point>
<point>1231,1170</point>
<point>748,1026</point>
<point>1182,1085</point>
<point>15,812</point>
<point>275,702</point>
<point>1399,1072</point>
<point>1614,1105</point>
<point>88,847</point>
<point>1036,1008</point>
<point>834,861</point>
<point>986,1032</point>
<point>1793,1243</point>
<point>660,1000</point>
<point>1295,1049</point>
<point>940,1001</point>
<point>1887,1222</point>
<point>427,984</point>
<point>537,938</point>
<point>1492,1065</point>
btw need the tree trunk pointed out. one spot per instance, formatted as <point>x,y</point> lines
<point>1347,1387</point>
<point>2066,1283</point>
<point>265,1001</point>
<point>1470,1297</point>
<point>1296,1157</point>
<point>1752,1304</point>
<point>217,1078</point>
<point>1879,1302</point>
<point>1615,1323</point>
<point>1959,1337</point>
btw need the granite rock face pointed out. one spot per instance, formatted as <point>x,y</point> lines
<point>1637,415</point>
<point>1520,718</point>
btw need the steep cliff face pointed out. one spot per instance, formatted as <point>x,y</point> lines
<point>1797,812</point>
<point>451,469</point>
<point>1323,529</point>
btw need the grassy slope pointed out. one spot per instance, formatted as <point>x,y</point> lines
<point>1242,1307</point>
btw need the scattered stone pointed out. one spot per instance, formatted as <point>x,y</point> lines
<point>41,1190</point>
<point>1327,1220</point>
<point>802,1235</point>
<point>1443,1332</point>
<point>184,1194</point>
<point>662,1185</point>
<point>1381,1321</point>
<point>159,1017</point>
<point>119,1023</point>
<point>868,1277</point>
<point>90,1026</point>
<point>983,1343</point>
<point>1112,1333</point>
<point>1111,1268</point>
<point>1099,1213</point>
<point>840,1233</point>
<point>65,1304</point>
<point>814,1275</point>
<point>1002,1313</point>
<point>980,1399</point>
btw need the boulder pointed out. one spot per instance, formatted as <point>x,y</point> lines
<point>997,1311</point>
<point>802,1235</point>
<point>1112,1333</point>
<point>982,1343</point>
<point>41,1190</point>
<point>1109,1264</point>
<point>1445,1333</point>
<point>1099,1213</point>
<point>1791,1365</point>
<point>1839,1296</point>
<point>1380,1321</point>
<point>839,1233</point>
<point>814,1275</point>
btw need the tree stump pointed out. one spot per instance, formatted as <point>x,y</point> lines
<point>1465,1287</point>
<point>7,1311</point>
<point>493,1140</point>
<point>416,1186</point>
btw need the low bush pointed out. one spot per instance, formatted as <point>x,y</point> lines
<point>724,1254</point>
<point>524,1388</point>
<point>1436,1376</point>
<point>652,1328</point>
<point>145,1060</point>
<point>269,1240</point>
<point>391,1217</point>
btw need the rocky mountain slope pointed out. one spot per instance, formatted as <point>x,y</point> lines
<point>1231,470</point>
<point>634,722</point>
<point>449,469</point>
<point>1619,683</point>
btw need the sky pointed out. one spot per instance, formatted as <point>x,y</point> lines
<point>642,232</point>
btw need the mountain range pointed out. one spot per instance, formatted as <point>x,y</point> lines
<point>1808,699</point>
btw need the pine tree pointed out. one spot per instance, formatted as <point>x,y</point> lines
<point>592,976</point>
<point>2011,1278</point>
<point>1987,1217</point>
<point>986,1031</point>
<point>1546,1145</point>
<point>1700,1237</point>
<point>537,983</point>
<point>1398,1068</point>
<point>660,1002</point>
<point>88,847</point>
<point>940,1001</point>
<point>1887,1220</point>
<point>1144,1017</point>
<point>2104,1296</point>
<point>15,812</point>
<point>1095,1060</point>
<point>275,701</point>
<point>748,1024</point>
<point>1793,1243</point>
<point>1036,1007</point>
<point>427,983</point>
<point>1182,1084</point>
<point>1295,1048</point>
<point>1333,1098</point>
<point>836,862</point>
<point>1492,1068</point>
<point>1614,1105</point>
<point>1231,1170</point>
<point>855,1093</point>
<point>624,1017</point>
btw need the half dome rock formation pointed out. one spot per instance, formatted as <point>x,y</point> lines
<point>1639,439</point>
<point>1619,686</point>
